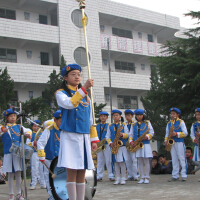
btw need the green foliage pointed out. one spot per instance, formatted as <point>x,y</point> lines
<point>6,89</point>
<point>98,109</point>
<point>175,82</point>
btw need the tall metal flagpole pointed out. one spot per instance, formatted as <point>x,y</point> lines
<point>84,22</point>
<point>23,155</point>
<point>108,44</point>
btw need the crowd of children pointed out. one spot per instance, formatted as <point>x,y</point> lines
<point>71,136</point>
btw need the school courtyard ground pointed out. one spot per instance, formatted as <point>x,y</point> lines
<point>158,188</point>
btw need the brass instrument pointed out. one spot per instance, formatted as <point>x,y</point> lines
<point>138,143</point>
<point>100,147</point>
<point>37,136</point>
<point>117,142</point>
<point>170,141</point>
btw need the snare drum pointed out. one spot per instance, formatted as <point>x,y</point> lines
<point>16,149</point>
<point>58,184</point>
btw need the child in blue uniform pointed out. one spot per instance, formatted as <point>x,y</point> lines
<point>178,148</point>
<point>195,129</point>
<point>77,133</point>
<point>131,162</point>
<point>48,146</point>
<point>36,165</point>
<point>121,156</point>
<point>105,155</point>
<point>12,163</point>
<point>143,154</point>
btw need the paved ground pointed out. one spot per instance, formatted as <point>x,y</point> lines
<point>158,188</point>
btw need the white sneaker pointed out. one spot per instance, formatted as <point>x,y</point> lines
<point>117,182</point>
<point>43,187</point>
<point>19,197</point>
<point>11,197</point>
<point>141,181</point>
<point>136,179</point>
<point>32,188</point>
<point>146,181</point>
<point>123,182</point>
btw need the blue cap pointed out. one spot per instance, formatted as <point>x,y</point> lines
<point>175,110</point>
<point>197,110</point>
<point>128,111</point>
<point>9,111</point>
<point>36,121</point>
<point>139,112</point>
<point>116,111</point>
<point>57,114</point>
<point>65,70</point>
<point>103,113</point>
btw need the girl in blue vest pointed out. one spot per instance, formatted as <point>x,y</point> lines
<point>143,154</point>
<point>77,133</point>
<point>12,163</point>
<point>195,129</point>
<point>36,166</point>
<point>121,156</point>
<point>178,152</point>
<point>48,146</point>
<point>104,156</point>
<point>132,161</point>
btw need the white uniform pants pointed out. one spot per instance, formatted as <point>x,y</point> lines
<point>132,165</point>
<point>102,157</point>
<point>178,155</point>
<point>46,177</point>
<point>36,168</point>
<point>144,166</point>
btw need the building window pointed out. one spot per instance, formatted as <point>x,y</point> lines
<point>122,33</point>
<point>26,15</point>
<point>143,67</point>
<point>76,17</point>
<point>29,54</point>
<point>80,56</point>
<point>30,94</point>
<point>44,58</point>
<point>127,102</point>
<point>124,67</point>
<point>139,35</point>
<point>14,99</point>
<point>150,38</point>
<point>8,55</point>
<point>8,14</point>
<point>42,19</point>
<point>107,97</point>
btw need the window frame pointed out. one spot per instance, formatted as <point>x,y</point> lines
<point>7,54</point>
<point>119,32</point>
<point>127,67</point>
<point>126,105</point>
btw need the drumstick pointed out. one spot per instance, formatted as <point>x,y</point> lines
<point>53,175</point>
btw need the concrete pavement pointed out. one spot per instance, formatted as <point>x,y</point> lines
<point>158,188</point>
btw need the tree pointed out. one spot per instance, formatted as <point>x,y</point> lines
<point>6,89</point>
<point>178,78</point>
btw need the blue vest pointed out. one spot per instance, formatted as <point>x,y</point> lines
<point>76,120</point>
<point>52,146</point>
<point>101,131</point>
<point>113,131</point>
<point>142,127</point>
<point>6,138</point>
<point>177,128</point>
<point>195,126</point>
<point>33,137</point>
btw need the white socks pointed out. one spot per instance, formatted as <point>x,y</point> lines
<point>80,191</point>
<point>18,181</point>
<point>144,162</point>
<point>71,189</point>
<point>121,165</point>
<point>76,191</point>
<point>10,182</point>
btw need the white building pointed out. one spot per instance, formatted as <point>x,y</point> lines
<point>35,33</point>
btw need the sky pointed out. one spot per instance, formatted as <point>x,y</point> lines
<point>170,7</point>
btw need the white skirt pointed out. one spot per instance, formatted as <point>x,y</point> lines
<point>196,154</point>
<point>12,163</point>
<point>75,151</point>
<point>122,155</point>
<point>145,152</point>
